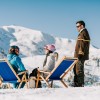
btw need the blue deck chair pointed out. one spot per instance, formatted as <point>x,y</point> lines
<point>8,75</point>
<point>58,73</point>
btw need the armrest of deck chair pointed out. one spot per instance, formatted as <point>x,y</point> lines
<point>45,72</point>
<point>24,72</point>
<point>72,58</point>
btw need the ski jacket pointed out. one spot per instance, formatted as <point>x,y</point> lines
<point>16,62</point>
<point>50,64</point>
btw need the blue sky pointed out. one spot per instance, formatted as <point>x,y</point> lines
<point>56,17</point>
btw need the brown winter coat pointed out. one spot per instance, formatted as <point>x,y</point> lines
<point>82,45</point>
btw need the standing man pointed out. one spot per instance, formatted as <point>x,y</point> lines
<point>81,52</point>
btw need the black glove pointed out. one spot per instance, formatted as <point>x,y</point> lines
<point>80,56</point>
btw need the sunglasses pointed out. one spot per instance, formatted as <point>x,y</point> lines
<point>78,26</point>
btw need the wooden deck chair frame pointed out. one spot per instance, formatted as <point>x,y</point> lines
<point>46,80</point>
<point>23,79</point>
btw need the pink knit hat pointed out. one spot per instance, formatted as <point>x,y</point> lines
<point>50,47</point>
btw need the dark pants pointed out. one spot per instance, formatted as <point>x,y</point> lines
<point>16,85</point>
<point>79,74</point>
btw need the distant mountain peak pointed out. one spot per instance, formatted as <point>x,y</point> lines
<point>31,42</point>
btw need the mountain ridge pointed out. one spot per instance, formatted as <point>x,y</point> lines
<point>31,42</point>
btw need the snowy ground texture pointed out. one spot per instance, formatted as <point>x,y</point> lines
<point>83,93</point>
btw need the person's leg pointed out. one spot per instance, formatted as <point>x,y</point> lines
<point>15,85</point>
<point>79,74</point>
<point>75,76</point>
<point>23,83</point>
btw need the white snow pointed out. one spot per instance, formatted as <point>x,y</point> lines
<point>86,93</point>
<point>31,44</point>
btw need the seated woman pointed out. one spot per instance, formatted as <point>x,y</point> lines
<point>50,59</point>
<point>49,62</point>
<point>15,61</point>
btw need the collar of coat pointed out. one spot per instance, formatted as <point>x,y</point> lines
<point>81,30</point>
<point>80,39</point>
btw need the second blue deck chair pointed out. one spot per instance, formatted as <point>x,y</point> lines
<point>8,75</point>
<point>58,73</point>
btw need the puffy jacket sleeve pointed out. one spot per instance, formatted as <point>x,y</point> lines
<point>20,64</point>
<point>49,64</point>
<point>46,67</point>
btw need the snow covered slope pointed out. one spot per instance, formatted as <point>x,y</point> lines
<point>31,42</point>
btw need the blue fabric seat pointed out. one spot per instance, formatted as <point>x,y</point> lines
<point>8,74</point>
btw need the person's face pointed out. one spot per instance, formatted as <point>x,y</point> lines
<point>46,51</point>
<point>17,51</point>
<point>79,27</point>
